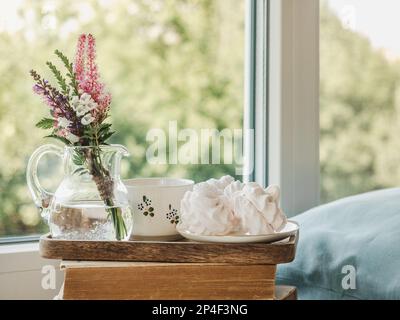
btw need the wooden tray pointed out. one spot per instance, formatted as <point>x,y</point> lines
<point>176,252</point>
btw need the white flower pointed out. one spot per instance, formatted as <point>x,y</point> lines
<point>71,137</point>
<point>63,122</point>
<point>85,97</point>
<point>87,119</point>
<point>81,110</point>
<point>83,105</point>
<point>74,102</point>
<point>92,105</point>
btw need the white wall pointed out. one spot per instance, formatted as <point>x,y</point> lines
<point>21,273</point>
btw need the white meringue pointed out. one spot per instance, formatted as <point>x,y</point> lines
<point>224,206</point>
<point>222,183</point>
<point>206,210</point>
<point>233,188</point>
<point>258,209</point>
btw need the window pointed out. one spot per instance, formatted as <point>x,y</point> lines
<point>167,63</point>
<point>359,97</point>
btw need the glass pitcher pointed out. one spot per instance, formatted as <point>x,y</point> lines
<point>91,202</point>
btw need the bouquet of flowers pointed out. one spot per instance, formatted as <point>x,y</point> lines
<point>78,110</point>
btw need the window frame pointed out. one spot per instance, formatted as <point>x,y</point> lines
<point>294,103</point>
<point>19,239</point>
<point>282,99</point>
<point>256,90</point>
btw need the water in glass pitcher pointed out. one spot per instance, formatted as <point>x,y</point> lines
<point>88,222</point>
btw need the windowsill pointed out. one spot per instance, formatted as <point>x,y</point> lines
<point>20,257</point>
<point>19,248</point>
<point>21,272</point>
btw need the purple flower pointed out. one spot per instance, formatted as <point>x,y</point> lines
<point>58,104</point>
<point>37,89</point>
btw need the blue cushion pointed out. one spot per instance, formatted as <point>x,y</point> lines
<point>362,231</point>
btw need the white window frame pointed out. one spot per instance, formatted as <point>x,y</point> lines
<point>294,102</point>
<point>281,105</point>
<point>256,91</point>
<point>283,99</point>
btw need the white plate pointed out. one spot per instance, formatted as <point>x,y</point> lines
<point>290,228</point>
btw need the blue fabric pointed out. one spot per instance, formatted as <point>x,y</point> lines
<point>362,231</point>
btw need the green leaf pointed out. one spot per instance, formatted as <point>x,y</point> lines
<point>104,127</point>
<point>87,136</point>
<point>105,136</point>
<point>65,61</point>
<point>78,159</point>
<point>89,131</point>
<point>62,139</point>
<point>71,74</point>
<point>81,171</point>
<point>60,79</point>
<point>45,123</point>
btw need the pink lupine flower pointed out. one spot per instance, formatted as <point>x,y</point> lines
<point>105,101</point>
<point>79,65</point>
<point>92,84</point>
<point>88,76</point>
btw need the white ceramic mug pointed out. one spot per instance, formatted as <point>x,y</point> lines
<point>155,204</point>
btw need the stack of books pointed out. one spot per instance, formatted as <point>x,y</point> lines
<point>164,281</point>
<point>181,270</point>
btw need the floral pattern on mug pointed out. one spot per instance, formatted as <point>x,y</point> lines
<point>172,215</point>
<point>146,208</point>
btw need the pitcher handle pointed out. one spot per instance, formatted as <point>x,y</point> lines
<point>40,196</point>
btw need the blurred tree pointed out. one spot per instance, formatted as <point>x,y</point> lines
<point>183,60</point>
<point>162,60</point>
<point>359,112</point>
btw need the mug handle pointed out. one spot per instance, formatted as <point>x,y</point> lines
<point>40,196</point>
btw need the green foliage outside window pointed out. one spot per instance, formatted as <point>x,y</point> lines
<point>162,60</point>
<point>359,113</point>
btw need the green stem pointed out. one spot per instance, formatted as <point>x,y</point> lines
<point>117,220</point>
<point>101,176</point>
